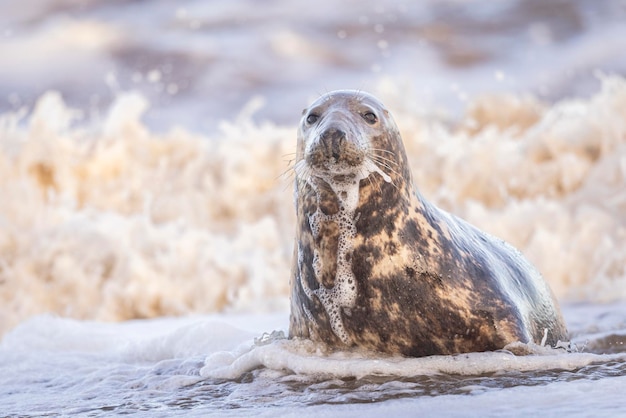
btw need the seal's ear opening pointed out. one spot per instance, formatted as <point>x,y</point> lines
<point>303,111</point>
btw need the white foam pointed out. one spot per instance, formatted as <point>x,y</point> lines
<point>343,292</point>
<point>122,223</point>
<point>341,297</point>
<point>119,223</point>
<point>306,358</point>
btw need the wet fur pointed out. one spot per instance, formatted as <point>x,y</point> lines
<point>427,282</point>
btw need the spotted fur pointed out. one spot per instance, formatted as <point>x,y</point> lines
<point>420,281</point>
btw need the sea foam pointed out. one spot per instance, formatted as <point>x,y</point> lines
<point>106,220</point>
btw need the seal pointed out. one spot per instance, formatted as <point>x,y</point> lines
<point>378,267</point>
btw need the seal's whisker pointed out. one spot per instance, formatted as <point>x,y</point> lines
<point>301,171</point>
<point>292,171</point>
<point>385,165</point>
<point>298,184</point>
<point>360,94</point>
<point>374,184</point>
<point>391,158</point>
<point>285,175</point>
<point>383,150</point>
<point>288,176</point>
<point>376,164</point>
<point>387,170</point>
<point>380,157</point>
<point>291,168</point>
<point>301,168</point>
<point>384,161</point>
<point>290,158</point>
<point>287,186</point>
<point>326,96</point>
<point>388,158</point>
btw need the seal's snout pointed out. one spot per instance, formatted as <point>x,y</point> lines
<point>332,140</point>
<point>334,151</point>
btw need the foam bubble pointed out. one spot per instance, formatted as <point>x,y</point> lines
<point>341,297</point>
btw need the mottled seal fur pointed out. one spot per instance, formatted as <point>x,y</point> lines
<point>376,266</point>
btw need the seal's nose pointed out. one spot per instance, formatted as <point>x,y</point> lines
<point>332,140</point>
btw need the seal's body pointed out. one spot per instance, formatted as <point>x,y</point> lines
<point>376,266</point>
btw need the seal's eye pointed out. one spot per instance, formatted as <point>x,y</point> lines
<point>370,118</point>
<point>312,118</point>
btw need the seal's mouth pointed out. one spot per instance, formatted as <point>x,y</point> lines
<point>335,152</point>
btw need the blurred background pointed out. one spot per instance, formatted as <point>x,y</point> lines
<point>199,62</point>
<point>145,145</point>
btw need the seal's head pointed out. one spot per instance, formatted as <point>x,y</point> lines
<point>344,135</point>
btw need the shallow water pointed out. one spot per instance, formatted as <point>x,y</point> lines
<point>139,262</point>
<point>164,367</point>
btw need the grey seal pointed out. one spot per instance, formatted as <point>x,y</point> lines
<point>378,267</point>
